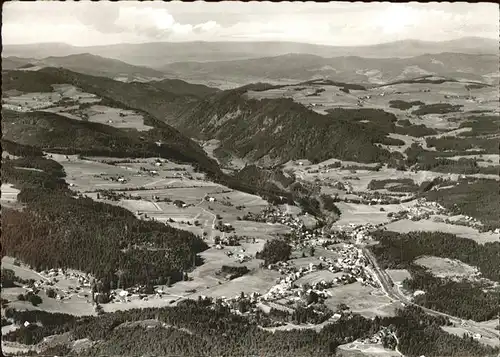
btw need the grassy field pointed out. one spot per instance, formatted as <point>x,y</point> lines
<point>364,214</point>
<point>90,175</point>
<point>490,340</point>
<point>318,276</point>
<point>74,303</point>
<point>447,268</point>
<point>364,300</point>
<point>9,193</point>
<point>359,179</point>
<point>453,93</point>
<point>172,184</point>
<point>358,349</point>
<point>398,275</point>
<point>405,226</point>
<point>206,282</point>
<point>117,118</point>
<point>39,100</point>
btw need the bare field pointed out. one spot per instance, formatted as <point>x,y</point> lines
<point>405,226</point>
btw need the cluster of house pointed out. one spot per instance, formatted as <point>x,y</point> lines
<point>339,185</point>
<point>422,209</point>
<point>239,257</point>
<point>467,221</point>
<point>272,214</point>
<point>32,106</point>
<point>351,263</point>
<point>52,277</point>
<point>148,171</point>
<point>17,108</point>
<point>360,233</point>
<point>378,337</point>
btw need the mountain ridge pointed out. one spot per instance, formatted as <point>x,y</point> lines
<point>168,52</point>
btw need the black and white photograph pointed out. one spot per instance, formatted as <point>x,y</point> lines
<point>250,179</point>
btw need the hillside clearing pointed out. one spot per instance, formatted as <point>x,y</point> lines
<point>447,268</point>
<point>406,225</point>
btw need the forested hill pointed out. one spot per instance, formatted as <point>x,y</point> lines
<point>52,132</point>
<point>184,88</point>
<point>104,238</point>
<point>156,98</point>
<point>271,131</point>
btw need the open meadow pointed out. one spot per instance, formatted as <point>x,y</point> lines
<point>364,300</point>
<point>358,349</point>
<point>75,301</point>
<point>447,268</point>
<point>429,225</point>
<point>118,118</point>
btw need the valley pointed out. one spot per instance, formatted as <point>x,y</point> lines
<point>354,214</point>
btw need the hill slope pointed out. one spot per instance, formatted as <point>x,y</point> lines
<point>272,131</point>
<point>54,132</point>
<point>184,88</point>
<point>90,64</point>
<point>143,96</point>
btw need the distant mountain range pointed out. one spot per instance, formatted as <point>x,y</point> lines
<point>291,67</point>
<point>159,54</point>
<point>88,64</point>
<point>353,69</point>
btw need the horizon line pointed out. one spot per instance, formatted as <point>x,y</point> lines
<point>250,40</point>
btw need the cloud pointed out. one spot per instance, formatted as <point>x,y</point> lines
<point>334,23</point>
<point>143,21</point>
<point>209,26</point>
<point>102,20</point>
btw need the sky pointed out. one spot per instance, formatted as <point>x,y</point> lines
<point>88,23</point>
